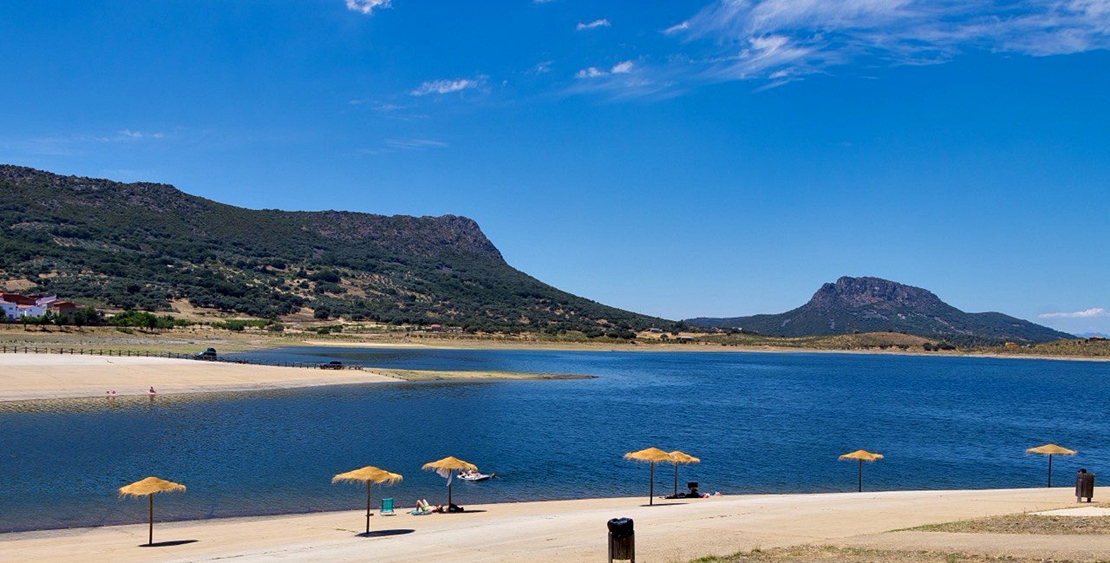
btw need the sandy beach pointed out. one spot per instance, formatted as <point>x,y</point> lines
<point>562,531</point>
<point>63,376</point>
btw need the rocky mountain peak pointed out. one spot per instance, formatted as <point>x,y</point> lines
<point>868,291</point>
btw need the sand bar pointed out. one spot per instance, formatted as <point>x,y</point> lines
<point>562,531</point>
<point>63,376</point>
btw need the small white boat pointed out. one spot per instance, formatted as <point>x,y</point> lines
<point>475,476</point>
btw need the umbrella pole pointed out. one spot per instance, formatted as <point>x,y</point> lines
<point>651,485</point>
<point>448,494</point>
<point>367,506</point>
<point>859,476</point>
<point>676,479</point>
<point>1049,470</point>
<point>150,538</point>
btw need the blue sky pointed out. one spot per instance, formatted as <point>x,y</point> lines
<point>679,159</point>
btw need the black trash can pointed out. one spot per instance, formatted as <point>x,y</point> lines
<point>622,540</point>
<point>1084,485</point>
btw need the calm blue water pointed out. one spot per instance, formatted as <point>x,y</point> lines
<point>759,422</point>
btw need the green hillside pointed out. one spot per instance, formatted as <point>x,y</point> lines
<point>141,245</point>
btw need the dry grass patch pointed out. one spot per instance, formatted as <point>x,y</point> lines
<point>819,554</point>
<point>1025,524</point>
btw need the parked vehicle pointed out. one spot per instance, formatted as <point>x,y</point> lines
<point>209,354</point>
<point>332,365</point>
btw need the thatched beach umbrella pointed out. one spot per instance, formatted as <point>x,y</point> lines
<point>678,457</point>
<point>650,455</point>
<point>445,467</point>
<point>368,475</point>
<point>147,487</point>
<point>861,456</point>
<point>1050,450</point>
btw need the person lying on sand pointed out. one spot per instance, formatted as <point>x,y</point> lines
<point>422,507</point>
<point>449,508</point>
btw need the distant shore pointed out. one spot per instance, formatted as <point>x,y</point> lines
<point>575,530</point>
<point>195,339</point>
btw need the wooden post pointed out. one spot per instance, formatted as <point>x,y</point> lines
<point>150,539</point>
<point>367,506</point>
<point>1049,470</point>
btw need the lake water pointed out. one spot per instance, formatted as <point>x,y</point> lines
<point>761,423</point>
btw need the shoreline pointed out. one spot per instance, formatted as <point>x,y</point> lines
<point>569,530</point>
<point>194,340</point>
<point>50,378</point>
<point>446,344</point>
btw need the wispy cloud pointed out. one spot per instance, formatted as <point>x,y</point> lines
<point>447,86</point>
<point>789,39</point>
<point>399,145</point>
<point>593,25</point>
<point>624,80</point>
<point>1088,314</point>
<point>80,143</point>
<point>677,28</point>
<point>416,144</point>
<point>624,67</point>
<point>129,135</point>
<point>367,6</point>
<point>542,67</point>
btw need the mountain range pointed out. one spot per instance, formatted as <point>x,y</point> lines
<point>148,246</point>
<point>145,245</point>
<point>868,304</point>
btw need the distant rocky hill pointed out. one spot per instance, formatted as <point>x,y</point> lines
<point>877,305</point>
<point>141,245</point>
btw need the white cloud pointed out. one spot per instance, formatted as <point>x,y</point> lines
<point>1088,314</point>
<point>415,144</point>
<point>677,28</point>
<point>367,6</point>
<point>543,67</point>
<point>793,38</point>
<point>129,135</point>
<point>626,80</point>
<point>593,25</point>
<point>622,68</point>
<point>445,86</point>
<point>590,72</point>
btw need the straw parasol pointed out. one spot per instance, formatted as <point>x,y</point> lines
<point>147,487</point>
<point>1050,450</point>
<point>862,456</point>
<point>445,467</point>
<point>678,457</point>
<point>368,474</point>
<point>650,455</point>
